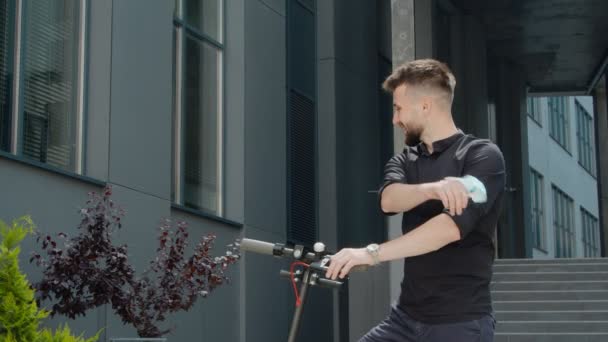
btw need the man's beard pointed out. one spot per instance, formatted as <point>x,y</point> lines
<point>412,138</point>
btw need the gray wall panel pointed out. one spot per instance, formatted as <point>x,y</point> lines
<point>328,220</point>
<point>52,200</point>
<point>355,36</point>
<point>358,147</point>
<point>265,294</point>
<point>234,114</point>
<point>325,31</point>
<point>97,114</point>
<point>423,21</point>
<point>140,129</point>
<point>358,165</point>
<point>276,5</point>
<point>265,119</point>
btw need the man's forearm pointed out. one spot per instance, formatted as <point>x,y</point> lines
<point>398,198</point>
<point>429,237</point>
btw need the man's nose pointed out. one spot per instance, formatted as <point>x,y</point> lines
<point>395,119</point>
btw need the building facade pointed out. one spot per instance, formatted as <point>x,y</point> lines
<point>262,119</point>
<point>563,177</point>
<point>244,118</point>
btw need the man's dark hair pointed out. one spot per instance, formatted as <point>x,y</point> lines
<point>422,72</point>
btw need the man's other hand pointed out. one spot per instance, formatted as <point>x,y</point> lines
<point>342,262</point>
<point>451,192</point>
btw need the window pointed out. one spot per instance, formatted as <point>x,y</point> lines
<point>537,211</point>
<point>6,74</point>
<point>591,234</point>
<point>42,100</point>
<point>532,108</point>
<point>198,105</point>
<point>563,222</point>
<point>558,121</point>
<point>584,134</point>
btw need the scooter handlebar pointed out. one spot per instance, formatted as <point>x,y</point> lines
<point>268,248</point>
<point>257,246</point>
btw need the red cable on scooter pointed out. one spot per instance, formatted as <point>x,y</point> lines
<point>293,280</point>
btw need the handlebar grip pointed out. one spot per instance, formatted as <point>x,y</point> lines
<point>257,246</point>
<point>358,268</point>
<point>323,282</point>
<point>329,283</point>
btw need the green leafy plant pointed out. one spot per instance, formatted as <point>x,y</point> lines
<point>63,334</point>
<point>19,313</point>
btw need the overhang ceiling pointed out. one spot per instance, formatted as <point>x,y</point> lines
<point>561,44</point>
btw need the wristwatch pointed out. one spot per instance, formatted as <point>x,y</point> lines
<point>374,251</point>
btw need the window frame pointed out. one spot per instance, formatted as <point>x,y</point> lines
<point>79,100</point>
<point>563,223</point>
<point>559,127</point>
<point>536,115</point>
<point>183,30</point>
<point>585,139</point>
<point>537,210</point>
<point>590,234</point>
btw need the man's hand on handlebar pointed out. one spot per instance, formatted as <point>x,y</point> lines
<point>342,262</point>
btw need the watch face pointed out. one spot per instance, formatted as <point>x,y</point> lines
<point>374,249</point>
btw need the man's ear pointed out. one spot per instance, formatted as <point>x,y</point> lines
<point>426,104</point>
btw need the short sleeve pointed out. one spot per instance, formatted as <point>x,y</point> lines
<point>485,162</point>
<point>394,172</point>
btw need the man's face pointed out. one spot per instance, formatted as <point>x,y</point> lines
<point>407,114</point>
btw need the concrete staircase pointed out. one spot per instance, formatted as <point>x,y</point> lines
<point>558,300</point>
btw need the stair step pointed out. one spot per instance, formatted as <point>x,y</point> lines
<point>547,295</point>
<point>550,261</point>
<point>555,305</point>
<point>551,337</point>
<point>550,276</point>
<point>555,300</point>
<point>552,326</point>
<point>552,267</point>
<point>575,285</point>
<point>564,315</point>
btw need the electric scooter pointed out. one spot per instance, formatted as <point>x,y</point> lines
<point>315,265</point>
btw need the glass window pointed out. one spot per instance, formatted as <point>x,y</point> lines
<point>49,86</point>
<point>198,75</point>
<point>6,74</point>
<point>201,107</point>
<point>558,118</point>
<point>532,108</point>
<point>591,234</point>
<point>585,137</point>
<point>205,16</point>
<point>537,210</point>
<point>563,222</point>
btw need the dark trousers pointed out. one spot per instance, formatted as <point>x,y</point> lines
<point>399,327</point>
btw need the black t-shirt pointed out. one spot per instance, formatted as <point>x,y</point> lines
<point>451,284</point>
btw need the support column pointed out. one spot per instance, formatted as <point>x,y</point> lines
<point>404,48</point>
<point>600,101</point>
<point>508,96</point>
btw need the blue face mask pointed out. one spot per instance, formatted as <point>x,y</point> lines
<point>475,188</point>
